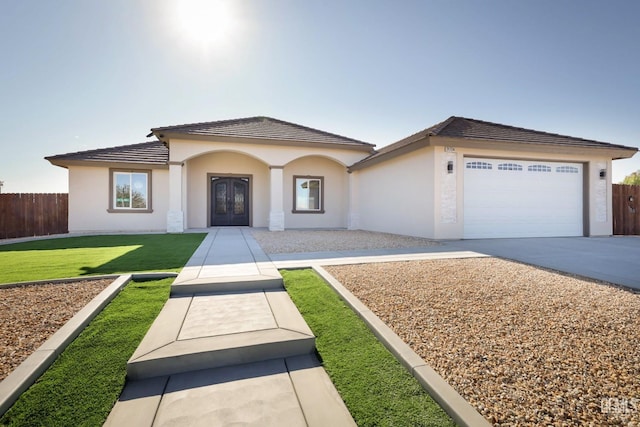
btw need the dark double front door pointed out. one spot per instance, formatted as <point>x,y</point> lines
<point>229,201</point>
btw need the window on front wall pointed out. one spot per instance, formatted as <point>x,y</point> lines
<point>130,191</point>
<point>308,194</point>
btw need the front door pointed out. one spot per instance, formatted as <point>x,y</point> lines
<point>229,201</point>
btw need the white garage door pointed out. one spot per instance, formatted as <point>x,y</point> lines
<point>515,198</point>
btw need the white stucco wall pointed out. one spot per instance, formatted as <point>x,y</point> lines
<point>89,201</point>
<point>270,154</point>
<point>335,193</point>
<point>414,195</point>
<point>225,163</point>
<point>397,196</point>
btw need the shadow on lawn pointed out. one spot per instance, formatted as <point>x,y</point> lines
<point>151,252</point>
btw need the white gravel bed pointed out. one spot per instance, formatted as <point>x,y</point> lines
<point>523,345</point>
<point>293,241</point>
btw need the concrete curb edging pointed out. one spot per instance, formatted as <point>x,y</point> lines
<point>455,405</point>
<point>18,381</point>
<point>57,281</point>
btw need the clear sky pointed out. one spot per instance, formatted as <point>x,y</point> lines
<point>83,74</point>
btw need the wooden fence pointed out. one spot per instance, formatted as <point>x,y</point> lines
<point>23,215</point>
<point>626,209</point>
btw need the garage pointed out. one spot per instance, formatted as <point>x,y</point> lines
<point>515,198</point>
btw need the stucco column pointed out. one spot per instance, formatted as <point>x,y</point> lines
<point>175,215</point>
<point>276,198</point>
<point>353,218</point>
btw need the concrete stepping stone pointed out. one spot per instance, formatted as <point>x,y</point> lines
<point>204,331</point>
<point>293,391</point>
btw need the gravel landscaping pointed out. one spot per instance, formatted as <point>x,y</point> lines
<point>293,241</point>
<point>523,345</point>
<point>30,314</point>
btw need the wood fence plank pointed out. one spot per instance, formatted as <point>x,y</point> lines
<point>626,209</point>
<point>30,214</point>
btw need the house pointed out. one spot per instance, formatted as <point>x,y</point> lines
<point>462,178</point>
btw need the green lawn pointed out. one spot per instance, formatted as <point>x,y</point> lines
<point>94,255</point>
<point>83,384</point>
<point>377,389</point>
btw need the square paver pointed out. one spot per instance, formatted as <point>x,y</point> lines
<point>213,315</point>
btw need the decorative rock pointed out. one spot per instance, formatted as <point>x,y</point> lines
<point>525,346</point>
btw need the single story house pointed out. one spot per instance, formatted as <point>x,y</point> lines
<point>459,179</point>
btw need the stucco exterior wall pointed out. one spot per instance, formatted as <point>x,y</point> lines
<point>225,163</point>
<point>414,194</point>
<point>270,154</point>
<point>335,193</point>
<point>89,201</point>
<point>397,196</point>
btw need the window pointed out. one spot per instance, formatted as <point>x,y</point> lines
<point>509,167</point>
<point>478,165</point>
<point>539,168</point>
<point>308,194</point>
<point>566,169</point>
<point>130,191</point>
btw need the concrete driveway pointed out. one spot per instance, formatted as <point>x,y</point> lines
<point>613,259</point>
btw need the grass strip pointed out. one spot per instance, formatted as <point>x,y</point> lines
<point>376,388</point>
<point>94,255</point>
<point>83,384</point>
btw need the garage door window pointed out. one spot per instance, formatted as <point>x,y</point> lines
<point>509,167</point>
<point>479,165</point>
<point>566,169</point>
<point>539,168</point>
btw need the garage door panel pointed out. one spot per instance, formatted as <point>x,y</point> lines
<point>514,198</point>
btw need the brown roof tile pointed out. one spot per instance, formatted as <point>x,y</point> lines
<point>148,153</point>
<point>461,127</point>
<point>259,128</point>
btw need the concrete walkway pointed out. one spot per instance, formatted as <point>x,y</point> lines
<point>228,348</point>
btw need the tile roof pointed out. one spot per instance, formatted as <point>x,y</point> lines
<point>461,127</point>
<point>148,153</point>
<point>259,128</point>
<point>465,128</point>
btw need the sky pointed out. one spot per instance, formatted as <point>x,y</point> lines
<point>83,74</point>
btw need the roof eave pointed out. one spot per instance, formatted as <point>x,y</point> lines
<point>65,163</point>
<point>376,158</point>
<point>614,151</point>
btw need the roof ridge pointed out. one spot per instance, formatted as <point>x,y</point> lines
<point>212,122</point>
<point>438,127</point>
<point>319,131</point>
<point>431,130</point>
<point>97,150</point>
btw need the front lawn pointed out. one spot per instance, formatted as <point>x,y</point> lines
<point>95,255</point>
<point>376,388</point>
<point>83,384</point>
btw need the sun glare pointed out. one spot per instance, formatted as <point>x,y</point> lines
<point>205,23</point>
